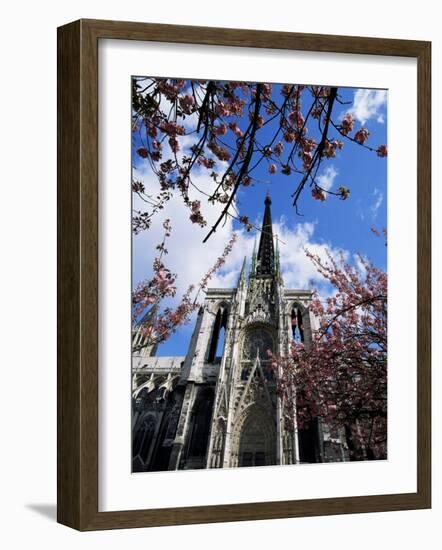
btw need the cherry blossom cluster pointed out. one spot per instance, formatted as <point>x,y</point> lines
<point>221,124</point>
<point>340,375</point>
<point>159,323</point>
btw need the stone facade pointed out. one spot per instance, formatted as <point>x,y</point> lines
<point>218,407</point>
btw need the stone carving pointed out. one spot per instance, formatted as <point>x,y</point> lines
<point>243,426</point>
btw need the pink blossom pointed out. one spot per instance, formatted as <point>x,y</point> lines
<point>318,194</point>
<point>306,159</point>
<point>220,130</point>
<point>195,215</point>
<point>148,294</point>
<point>361,135</point>
<point>236,129</point>
<point>172,128</point>
<point>151,129</point>
<point>174,145</point>
<point>290,135</point>
<point>208,163</point>
<point>308,145</point>
<point>330,148</point>
<point>279,147</point>
<point>286,90</point>
<point>169,88</point>
<point>341,375</point>
<point>221,152</point>
<point>347,124</point>
<point>296,118</point>
<point>187,103</point>
<point>266,90</point>
<point>221,109</point>
<point>382,151</point>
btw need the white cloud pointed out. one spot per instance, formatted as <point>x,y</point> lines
<point>357,259</point>
<point>187,256</point>
<point>367,104</point>
<point>298,270</point>
<point>360,210</point>
<point>378,199</point>
<point>190,259</point>
<point>327,178</point>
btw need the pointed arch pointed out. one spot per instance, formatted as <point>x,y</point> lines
<point>297,321</point>
<point>254,438</point>
<point>216,342</point>
<point>257,340</point>
<point>143,439</point>
<point>200,420</point>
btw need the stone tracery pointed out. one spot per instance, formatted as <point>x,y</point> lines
<point>218,406</point>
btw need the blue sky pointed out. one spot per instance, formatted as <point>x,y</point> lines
<point>330,226</point>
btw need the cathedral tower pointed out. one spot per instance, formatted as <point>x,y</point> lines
<point>220,408</point>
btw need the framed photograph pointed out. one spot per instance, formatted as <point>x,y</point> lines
<point>243,252</point>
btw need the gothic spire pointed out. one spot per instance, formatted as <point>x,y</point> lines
<point>149,316</point>
<point>266,253</point>
<point>277,259</point>
<point>242,275</point>
<point>253,264</point>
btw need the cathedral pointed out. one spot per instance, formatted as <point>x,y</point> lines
<point>218,406</point>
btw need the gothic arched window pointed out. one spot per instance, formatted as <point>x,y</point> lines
<point>143,438</point>
<point>257,342</point>
<point>216,345</point>
<point>200,423</point>
<point>297,323</point>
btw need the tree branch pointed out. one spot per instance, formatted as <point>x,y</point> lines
<point>246,161</point>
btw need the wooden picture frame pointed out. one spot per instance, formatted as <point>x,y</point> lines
<point>78,274</point>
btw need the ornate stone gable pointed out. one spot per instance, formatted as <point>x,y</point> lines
<point>218,406</point>
<point>261,303</point>
<point>255,390</point>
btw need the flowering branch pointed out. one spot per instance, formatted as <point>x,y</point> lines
<point>227,125</point>
<point>340,375</point>
<point>158,325</point>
